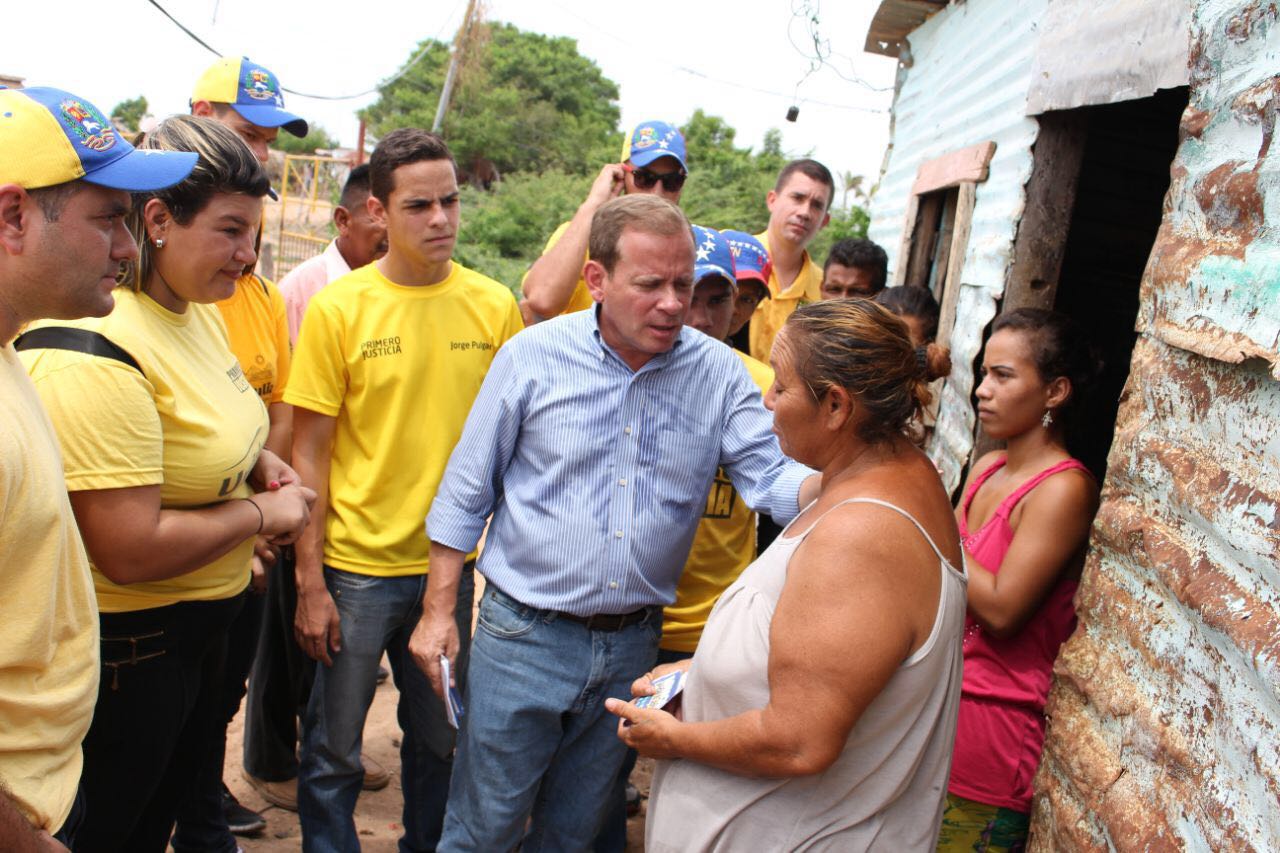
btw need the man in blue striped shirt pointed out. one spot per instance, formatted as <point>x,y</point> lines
<point>592,443</point>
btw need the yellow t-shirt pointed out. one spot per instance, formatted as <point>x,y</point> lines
<point>772,313</point>
<point>581,299</point>
<point>190,423</point>
<point>724,545</point>
<point>49,654</point>
<point>399,367</point>
<point>258,329</point>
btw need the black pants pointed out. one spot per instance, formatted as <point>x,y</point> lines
<point>202,827</point>
<point>280,685</point>
<point>153,722</point>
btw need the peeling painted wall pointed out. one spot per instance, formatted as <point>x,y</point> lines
<point>967,83</point>
<point>1164,726</point>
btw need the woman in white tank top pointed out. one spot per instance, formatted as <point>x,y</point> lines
<point>820,707</point>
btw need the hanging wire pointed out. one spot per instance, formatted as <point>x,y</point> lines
<point>382,85</point>
<point>817,49</point>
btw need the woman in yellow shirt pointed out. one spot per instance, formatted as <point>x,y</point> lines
<point>170,484</point>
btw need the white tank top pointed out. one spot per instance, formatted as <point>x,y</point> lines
<point>886,790</point>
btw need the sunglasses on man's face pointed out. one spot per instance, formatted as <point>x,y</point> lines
<point>645,179</point>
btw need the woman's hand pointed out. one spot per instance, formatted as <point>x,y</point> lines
<point>643,686</point>
<point>285,512</point>
<point>271,472</point>
<point>649,732</point>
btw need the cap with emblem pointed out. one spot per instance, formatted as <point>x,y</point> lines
<point>250,90</point>
<point>750,258</point>
<point>651,140</point>
<point>50,137</point>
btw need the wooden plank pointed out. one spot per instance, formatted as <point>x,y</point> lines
<point>1041,241</point>
<point>904,248</point>
<point>942,256</point>
<point>923,241</point>
<point>955,263</point>
<point>950,170</point>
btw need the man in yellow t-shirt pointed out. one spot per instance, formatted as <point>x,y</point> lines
<point>653,162</point>
<point>799,207</point>
<point>62,219</point>
<point>388,363</point>
<point>725,542</point>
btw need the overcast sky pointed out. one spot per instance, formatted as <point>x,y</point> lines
<point>710,54</point>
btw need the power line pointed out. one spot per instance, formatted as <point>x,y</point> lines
<point>392,79</point>
<point>696,73</point>
<point>808,11</point>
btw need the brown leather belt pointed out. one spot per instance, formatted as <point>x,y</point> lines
<point>610,621</point>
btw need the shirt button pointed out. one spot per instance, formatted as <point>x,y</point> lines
<point>627,430</point>
<point>618,534</point>
<point>613,584</point>
<point>622,482</point>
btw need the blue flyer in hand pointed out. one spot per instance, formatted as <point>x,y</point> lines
<point>667,687</point>
<point>453,707</point>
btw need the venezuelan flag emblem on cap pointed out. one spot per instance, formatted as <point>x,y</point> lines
<point>250,90</point>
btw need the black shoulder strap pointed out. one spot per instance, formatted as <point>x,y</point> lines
<point>76,340</point>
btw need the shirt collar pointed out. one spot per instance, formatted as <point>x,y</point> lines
<point>335,265</point>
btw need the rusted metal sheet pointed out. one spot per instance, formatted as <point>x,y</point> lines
<point>1165,712</point>
<point>1094,52</point>
<point>966,85</point>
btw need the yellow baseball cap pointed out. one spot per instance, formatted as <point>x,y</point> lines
<point>50,136</point>
<point>250,90</point>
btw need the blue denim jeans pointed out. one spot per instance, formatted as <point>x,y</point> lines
<point>536,738</point>
<point>377,615</point>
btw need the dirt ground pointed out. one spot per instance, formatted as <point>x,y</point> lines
<point>377,812</point>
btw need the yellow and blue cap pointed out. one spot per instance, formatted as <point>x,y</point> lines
<point>713,258</point>
<point>250,90</point>
<point>50,137</point>
<point>651,140</point>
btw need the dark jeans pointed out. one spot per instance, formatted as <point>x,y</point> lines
<point>154,721</point>
<point>202,827</point>
<point>280,685</point>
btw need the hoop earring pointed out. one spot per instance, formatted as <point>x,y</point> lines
<point>1047,420</point>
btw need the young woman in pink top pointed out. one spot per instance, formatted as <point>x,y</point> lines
<point>1024,523</point>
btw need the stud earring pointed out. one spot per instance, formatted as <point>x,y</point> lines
<point>1047,420</point>
<point>159,242</point>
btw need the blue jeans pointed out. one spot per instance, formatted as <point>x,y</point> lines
<point>536,738</point>
<point>377,615</point>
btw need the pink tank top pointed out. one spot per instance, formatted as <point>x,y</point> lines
<point>1000,732</point>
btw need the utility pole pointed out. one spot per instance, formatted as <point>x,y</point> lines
<point>459,43</point>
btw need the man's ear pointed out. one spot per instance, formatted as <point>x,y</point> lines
<point>341,220</point>
<point>377,212</point>
<point>594,273</point>
<point>15,217</point>
<point>202,108</point>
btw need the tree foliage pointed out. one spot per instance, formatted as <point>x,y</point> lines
<point>727,185</point>
<point>526,101</point>
<point>130,112</point>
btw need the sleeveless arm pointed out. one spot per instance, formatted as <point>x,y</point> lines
<point>1049,535</point>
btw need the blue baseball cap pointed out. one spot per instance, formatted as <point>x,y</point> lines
<point>50,136</point>
<point>250,90</point>
<point>651,140</point>
<point>713,257</point>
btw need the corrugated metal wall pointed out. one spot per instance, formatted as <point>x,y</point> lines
<point>967,84</point>
<point>1165,714</point>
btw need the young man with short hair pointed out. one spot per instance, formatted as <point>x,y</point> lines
<point>361,240</point>
<point>653,162</point>
<point>388,364</point>
<point>854,268</point>
<point>65,178</point>
<point>798,209</point>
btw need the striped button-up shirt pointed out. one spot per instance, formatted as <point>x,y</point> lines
<point>596,475</point>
